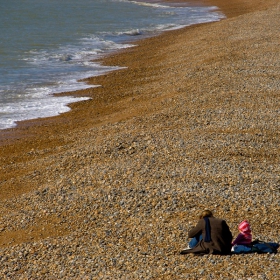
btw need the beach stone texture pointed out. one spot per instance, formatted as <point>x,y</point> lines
<point>111,189</point>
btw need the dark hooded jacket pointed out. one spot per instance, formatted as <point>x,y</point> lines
<point>220,235</point>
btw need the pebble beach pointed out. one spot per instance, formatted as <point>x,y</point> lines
<point>110,189</point>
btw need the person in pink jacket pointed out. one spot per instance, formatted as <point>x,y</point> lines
<point>245,235</point>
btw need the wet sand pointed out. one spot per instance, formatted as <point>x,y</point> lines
<point>123,176</point>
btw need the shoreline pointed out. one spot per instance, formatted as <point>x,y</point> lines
<point>118,181</point>
<point>100,59</point>
<point>237,8</point>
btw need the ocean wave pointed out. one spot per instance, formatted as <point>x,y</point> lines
<point>147,4</point>
<point>33,109</point>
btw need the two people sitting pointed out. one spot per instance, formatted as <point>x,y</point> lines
<point>212,236</point>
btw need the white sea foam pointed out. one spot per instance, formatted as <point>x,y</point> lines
<point>147,4</point>
<point>39,102</point>
<point>35,108</point>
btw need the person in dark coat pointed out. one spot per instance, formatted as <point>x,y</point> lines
<point>210,236</point>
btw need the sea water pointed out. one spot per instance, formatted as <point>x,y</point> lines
<point>46,46</point>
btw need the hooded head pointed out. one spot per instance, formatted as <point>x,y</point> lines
<point>244,227</point>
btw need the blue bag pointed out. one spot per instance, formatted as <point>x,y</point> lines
<point>264,247</point>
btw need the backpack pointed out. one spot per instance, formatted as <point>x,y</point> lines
<point>264,247</point>
<point>256,246</point>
